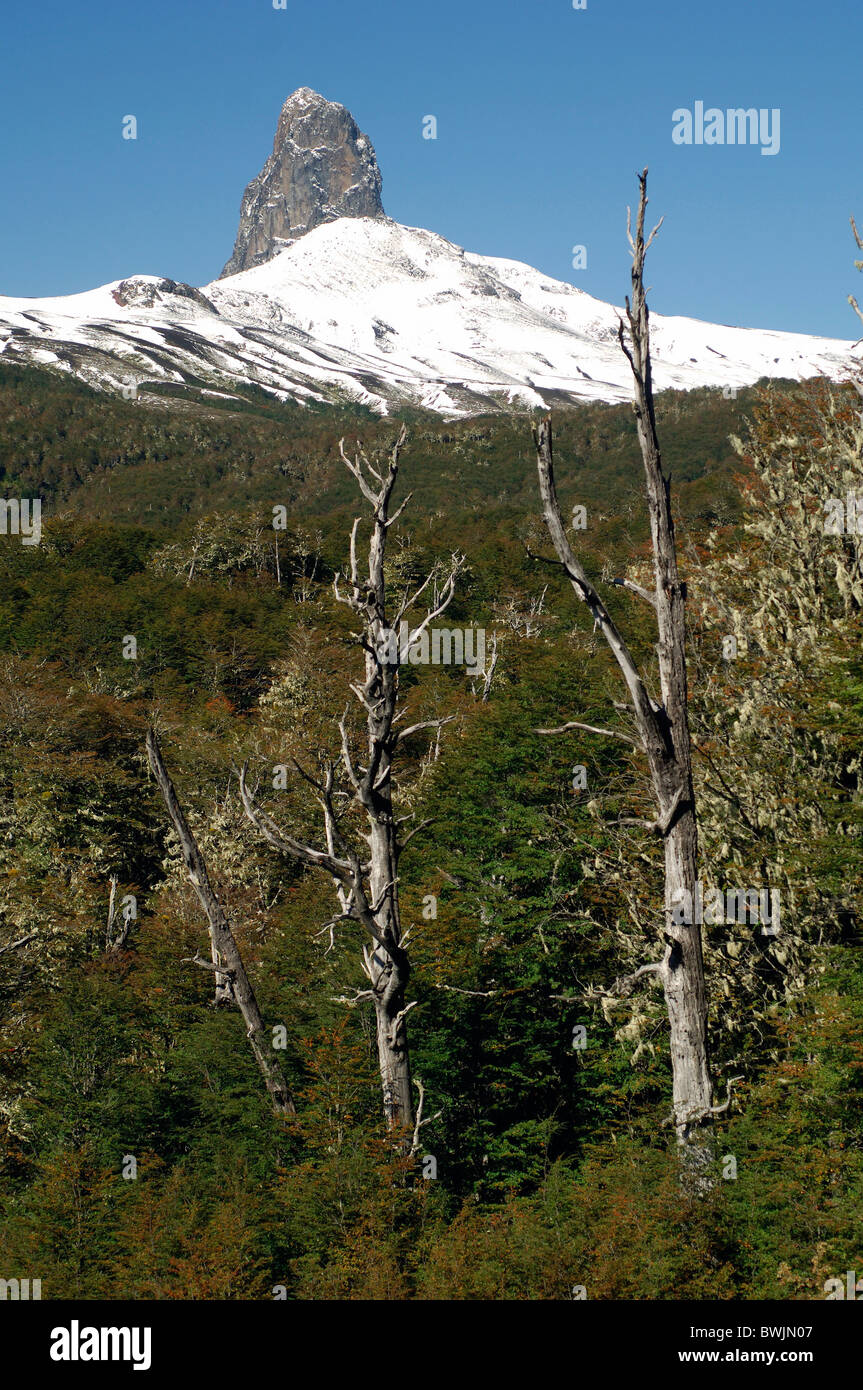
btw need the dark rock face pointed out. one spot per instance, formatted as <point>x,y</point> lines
<point>322,168</point>
<point>146,294</point>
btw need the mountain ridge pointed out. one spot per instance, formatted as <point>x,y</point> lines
<point>327,299</point>
<point>371,312</point>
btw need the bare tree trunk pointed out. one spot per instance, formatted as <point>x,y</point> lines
<point>232,981</point>
<point>388,966</point>
<point>684,982</point>
<point>664,728</point>
<point>685,992</point>
<point>368,888</point>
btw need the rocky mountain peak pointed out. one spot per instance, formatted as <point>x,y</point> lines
<point>322,167</point>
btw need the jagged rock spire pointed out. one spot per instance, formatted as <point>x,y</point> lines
<point>322,168</point>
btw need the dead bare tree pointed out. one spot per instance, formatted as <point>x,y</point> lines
<point>367,881</point>
<point>662,728</point>
<point>232,982</point>
<point>858,265</point>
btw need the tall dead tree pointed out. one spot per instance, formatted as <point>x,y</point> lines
<point>367,880</point>
<point>233,985</point>
<point>662,728</point>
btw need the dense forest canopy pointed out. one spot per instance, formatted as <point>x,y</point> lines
<point>139,1154</point>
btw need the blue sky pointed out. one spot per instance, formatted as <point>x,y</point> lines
<point>544,114</point>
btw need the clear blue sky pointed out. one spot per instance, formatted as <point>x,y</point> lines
<point>544,115</point>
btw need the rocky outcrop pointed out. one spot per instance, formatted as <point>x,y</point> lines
<point>146,292</point>
<point>322,168</point>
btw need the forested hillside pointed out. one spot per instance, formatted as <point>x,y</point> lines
<point>140,1153</point>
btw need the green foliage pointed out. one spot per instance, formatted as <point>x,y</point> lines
<point>542,1166</point>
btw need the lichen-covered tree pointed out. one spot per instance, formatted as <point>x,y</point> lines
<point>777,620</point>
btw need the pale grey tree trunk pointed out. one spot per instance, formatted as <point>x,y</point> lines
<point>367,882</point>
<point>232,981</point>
<point>683,982</point>
<point>388,965</point>
<point>663,728</point>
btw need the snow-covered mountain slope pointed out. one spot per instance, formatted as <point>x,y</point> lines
<point>364,309</point>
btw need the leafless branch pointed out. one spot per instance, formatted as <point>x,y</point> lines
<point>286,844</point>
<point>419,1121</point>
<point>591,729</point>
<point>636,589</point>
